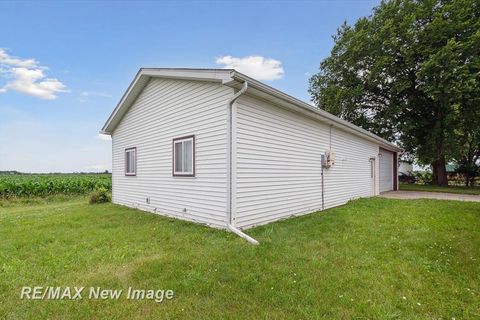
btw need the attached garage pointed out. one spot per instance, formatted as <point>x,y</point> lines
<point>388,170</point>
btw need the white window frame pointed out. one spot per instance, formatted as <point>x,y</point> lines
<point>127,151</point>
<point>190,173</point>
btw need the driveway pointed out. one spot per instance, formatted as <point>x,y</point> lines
<point>429,195</point>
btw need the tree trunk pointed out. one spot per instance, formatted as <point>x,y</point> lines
<point>467,179</point>
<point>439,173</point>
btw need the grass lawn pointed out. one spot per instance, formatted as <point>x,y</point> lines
<point>449,189</point>
<point>372,258</point>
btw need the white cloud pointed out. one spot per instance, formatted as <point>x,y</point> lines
<point>104,137</point>
<point>28,77</point>
<point>16,62</point>
<point>29,81</point>
<point>95,94</point>
<point>87,94</point>
<point>257,67</point>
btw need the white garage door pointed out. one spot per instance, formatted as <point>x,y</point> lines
<point>386,170</point>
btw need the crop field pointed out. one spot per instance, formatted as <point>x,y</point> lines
<point>41,185</point>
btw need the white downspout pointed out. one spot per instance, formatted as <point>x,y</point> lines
<point>230,225</point>
<point>241,234</point>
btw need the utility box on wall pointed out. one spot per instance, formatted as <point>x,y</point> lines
<point>328,158</point>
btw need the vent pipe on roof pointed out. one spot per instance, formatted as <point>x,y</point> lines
<point>230,221</point>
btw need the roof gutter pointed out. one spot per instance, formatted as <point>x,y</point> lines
<point>230,222</point>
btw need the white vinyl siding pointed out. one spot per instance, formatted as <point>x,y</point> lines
<point>278,164</point>
<point>386,170</point>
<point>167,109</point>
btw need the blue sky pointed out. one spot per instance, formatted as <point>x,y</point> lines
<point>65,65</point>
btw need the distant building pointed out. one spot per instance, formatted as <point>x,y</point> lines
<point>405,167</point>
<point>451,168</point>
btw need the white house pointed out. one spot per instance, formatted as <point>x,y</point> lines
<point>217,147</point>
<point>405,167</point>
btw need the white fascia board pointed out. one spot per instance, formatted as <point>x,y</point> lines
<point>118,112</point>
<point>277,96</point>
<point>212,75</point>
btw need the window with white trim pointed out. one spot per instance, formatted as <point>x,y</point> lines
<point>131,161</point>
<point>184,156</point>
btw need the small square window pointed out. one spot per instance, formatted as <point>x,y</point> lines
<point>131,161</point>
<point>184,156</point>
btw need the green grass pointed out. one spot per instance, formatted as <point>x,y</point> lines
<point>432,188</point>
<point>370,259</point>
<point>29,201</point>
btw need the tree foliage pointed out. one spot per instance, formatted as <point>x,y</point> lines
<point>410,73</point>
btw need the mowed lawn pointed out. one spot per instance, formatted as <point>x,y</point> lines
<point>372,258</point>
<point>433,188</point>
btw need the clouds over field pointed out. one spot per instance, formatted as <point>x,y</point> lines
<point>27,76</point>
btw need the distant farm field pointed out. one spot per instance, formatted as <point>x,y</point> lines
<point>41,185</point>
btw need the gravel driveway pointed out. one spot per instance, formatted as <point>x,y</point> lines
<point>429,195</point>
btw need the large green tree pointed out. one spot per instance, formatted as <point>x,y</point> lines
<point>410,73</point>
<point>468,138</point>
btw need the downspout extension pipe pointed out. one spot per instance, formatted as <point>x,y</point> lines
<point>241,234</point>
<point>230,166</point>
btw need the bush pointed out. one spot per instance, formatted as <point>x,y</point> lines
<point>423,177</point>
<point>100,195</point>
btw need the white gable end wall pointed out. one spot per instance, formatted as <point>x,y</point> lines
<point>278,164</point>
<point>168,109</point>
